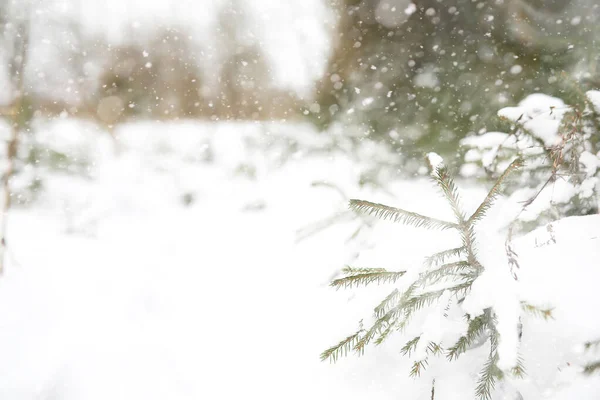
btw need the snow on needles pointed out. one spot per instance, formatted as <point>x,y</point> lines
<point>539,113</point>
<point>496,287</point>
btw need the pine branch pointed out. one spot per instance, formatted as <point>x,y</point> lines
<point>593,343</point>
<point>442,256</point>
<point>365,276</point>
<point>418,367</point>
<point>477,327</point>
<point>462,289</point>
<point>467,235</point>
<point>385,305</point>
<point>383,335</point>
<point>415,303</point>
<point>392,314</point>
<point>348,270</point>
<point>446,183</point>
<point>519,369</point>
<point>410,346</point>
<point>376,329</point>
<point>399,215</point>
<point>342,348</point>
<point>545,313</point>
<point>434,348</point>
<point>487,379</point>
<point>445,271</point>
<point>494,192</point>
<point>591,368</point>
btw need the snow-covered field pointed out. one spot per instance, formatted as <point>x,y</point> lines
<point>173,270</point>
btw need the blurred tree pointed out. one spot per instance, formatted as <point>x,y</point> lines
<point>15,27</point>
<point>245,89</point>
<point>423,74</point>
<point>159,79</point>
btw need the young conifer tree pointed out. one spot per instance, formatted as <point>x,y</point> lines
<point>446,277</point>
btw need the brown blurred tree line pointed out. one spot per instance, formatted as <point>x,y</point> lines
<point>408,71</point>
<point>163,75</point>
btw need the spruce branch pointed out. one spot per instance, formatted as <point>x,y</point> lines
<point>442,256</point>
<point>593,343</point>
<point>545,313</point>
<point>467,235</point>
<point>348,270</point>
<point>386,304</point>
<point>410,346</point>
<point>446,183</point>
<point>418,367</point>
<point>342,348</point>
<point>450,270</point>
<point>487,378</point>
<point>417,302</point>
<point>494,191</point>
<point>591,368</point>
<point>455,270</point>
<point>365,276</point>
<point>594,366</point>
<point>519,369</point>
<point>376,329</point>
<point>462,289</point>
<point>434,348</point>
<point>399,215</point>
<point>385,333</point>
<point>477,327</point>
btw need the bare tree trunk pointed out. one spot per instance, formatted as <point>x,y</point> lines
<point>16,115</point>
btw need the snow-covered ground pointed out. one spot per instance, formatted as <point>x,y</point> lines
<point>173,270</point>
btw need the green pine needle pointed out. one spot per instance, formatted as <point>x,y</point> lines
<point>410,346</point>
<point>442,256</point>
<point>519,369</point>
<point>487,379</point>
<point>591,368</point>
<point>477,327</point>
<point>446,183</point>
<point>364,276</point>
<point>434,348</point>
<point>385,333</point>
<point>494,192</point>
<point>378,327</point>
<point>399,215</point>
<point>342,348</point>
<point>387,303</point>
<point>451,270</point>
<point>544,313</point>
<point>593,343</point>
<point>396,310</point>
<point>418,367</point>
<point>415,303</point>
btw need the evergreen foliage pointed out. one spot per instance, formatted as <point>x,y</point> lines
<point>423,78</point>
<point>560,144</point>
<point>593,366</point>
<point>449,274</point>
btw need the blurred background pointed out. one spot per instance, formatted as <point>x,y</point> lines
<point>416,74</point>
<point>176,173</point>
